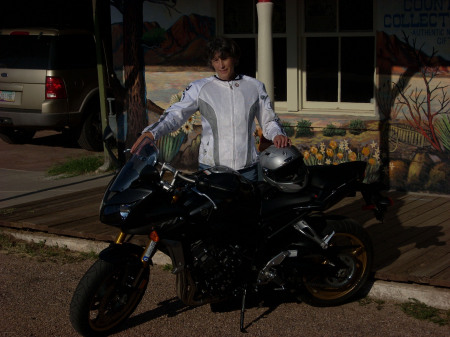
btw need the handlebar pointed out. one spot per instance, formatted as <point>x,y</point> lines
<point>177,174</point>
<point>202,184</point>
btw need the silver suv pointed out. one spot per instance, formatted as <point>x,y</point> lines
<point>48,80</point>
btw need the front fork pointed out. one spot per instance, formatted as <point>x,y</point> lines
<point>149,251</point>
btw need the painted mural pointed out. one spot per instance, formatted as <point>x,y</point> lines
<point>174,38</point>
<point>174,33</point>
<point>413,98</point>
<point>336,140</point>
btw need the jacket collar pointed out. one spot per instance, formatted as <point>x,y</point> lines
<point>236,78</point>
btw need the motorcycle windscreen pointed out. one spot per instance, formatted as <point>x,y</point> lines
<point>145,155</point>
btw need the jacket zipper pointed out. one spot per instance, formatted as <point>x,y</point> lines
<point>230,83</point>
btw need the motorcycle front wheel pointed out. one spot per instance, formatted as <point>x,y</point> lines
<point>106,296</point>
<point>342,269</point>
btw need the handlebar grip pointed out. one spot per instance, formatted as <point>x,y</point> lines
<point>204,185</point>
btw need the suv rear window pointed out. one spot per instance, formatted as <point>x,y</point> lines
<point>34,51</point>
<point>24,51</point>
<point>73,51</point>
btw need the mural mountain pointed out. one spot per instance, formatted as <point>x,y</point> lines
<point>394,56</point>
<point>182,44</point>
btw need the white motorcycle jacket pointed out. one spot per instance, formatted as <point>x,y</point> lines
<point>228,110</point>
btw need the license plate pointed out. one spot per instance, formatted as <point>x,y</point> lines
<point>7,96</point>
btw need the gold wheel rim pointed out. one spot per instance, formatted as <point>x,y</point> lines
<point>355,256</point>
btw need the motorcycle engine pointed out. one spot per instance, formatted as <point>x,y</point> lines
<point>216,268</point>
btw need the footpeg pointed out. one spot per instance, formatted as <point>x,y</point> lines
<point>303,227</point>
<point>268,274</point>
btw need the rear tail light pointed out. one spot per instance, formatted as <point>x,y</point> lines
<point>18,32</point>
<point>54,88</point>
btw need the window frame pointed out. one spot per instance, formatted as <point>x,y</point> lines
<point>333,106</point>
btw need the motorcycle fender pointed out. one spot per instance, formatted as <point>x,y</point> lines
<point>175,251</point>
<point>125,253</point>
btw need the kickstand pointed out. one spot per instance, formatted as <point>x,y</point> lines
<point>244,293</point>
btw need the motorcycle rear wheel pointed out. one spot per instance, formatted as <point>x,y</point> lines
<point>105,298</point>
<point>341,276</point>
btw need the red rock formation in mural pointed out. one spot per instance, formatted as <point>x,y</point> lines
<point>181,44</point>
<point>394,56</point>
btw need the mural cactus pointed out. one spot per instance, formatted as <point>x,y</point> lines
<point>170,144</point>
<point>443,130</point>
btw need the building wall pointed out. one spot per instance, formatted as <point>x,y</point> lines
<point>405,137</point>
<point>413,94</point>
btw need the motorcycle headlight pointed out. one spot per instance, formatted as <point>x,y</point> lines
<point>115,214</point>
<point>125,210</point>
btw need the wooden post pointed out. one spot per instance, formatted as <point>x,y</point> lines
<point>101,77</point>
<point>134,69</point>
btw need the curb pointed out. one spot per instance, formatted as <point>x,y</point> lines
<point>399,292</point>
<point>402,292</point>
<point>75,244</point>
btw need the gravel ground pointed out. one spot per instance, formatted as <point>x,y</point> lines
<point>35,298</point>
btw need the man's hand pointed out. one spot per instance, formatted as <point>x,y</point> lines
<point>139,140</point>
<point>281,141</point>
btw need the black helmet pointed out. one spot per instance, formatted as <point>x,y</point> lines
<point>284,168</point>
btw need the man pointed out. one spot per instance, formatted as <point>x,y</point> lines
<point>228,104</point>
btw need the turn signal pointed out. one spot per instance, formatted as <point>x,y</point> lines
<point>154,236</point>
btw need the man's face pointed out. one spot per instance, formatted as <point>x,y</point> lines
<point>223,67</point>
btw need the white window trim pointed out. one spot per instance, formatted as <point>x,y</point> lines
<point>334,105</point>
<point>297,101</point>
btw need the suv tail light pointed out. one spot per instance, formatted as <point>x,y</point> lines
<point>19,32</point>
<point>55,88</point>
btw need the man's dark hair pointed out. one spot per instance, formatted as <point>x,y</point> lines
<point>225,46</point>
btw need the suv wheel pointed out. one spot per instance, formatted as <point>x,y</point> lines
<point>16,136</point>
<point>91,133</point>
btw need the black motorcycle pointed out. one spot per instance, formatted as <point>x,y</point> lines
<point>227,236</point>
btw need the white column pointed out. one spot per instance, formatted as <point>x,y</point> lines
<point>293,68</point>
<point>265,55</point>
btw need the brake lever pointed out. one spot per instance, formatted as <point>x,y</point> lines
<point>204,195</point>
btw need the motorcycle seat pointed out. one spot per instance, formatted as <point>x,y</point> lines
<point>322,180</point>
<point>332,176</point>
<point>272,199</point>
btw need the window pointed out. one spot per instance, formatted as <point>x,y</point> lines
<point>240,22</point>
<point>67,53</point>
<point>24,51</point>
<point>339,48</point>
